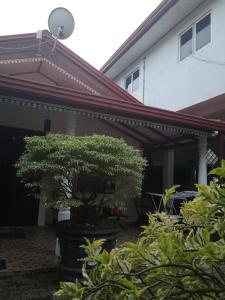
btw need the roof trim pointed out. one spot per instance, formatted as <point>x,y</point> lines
<point>53,65</point>
<point>207,107</point>
<point>73,98</point>
<point>74,58</point>
<point>160,10</point>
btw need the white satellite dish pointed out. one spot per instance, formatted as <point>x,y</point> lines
<point>61,23</point>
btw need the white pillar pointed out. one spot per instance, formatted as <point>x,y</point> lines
<point>41,211</point>
<point>202,163</point>
<point>64,213</point>
<point>41,215</point>
<point>70,129</point>
<point>168,169</point>
<point>70,126</point>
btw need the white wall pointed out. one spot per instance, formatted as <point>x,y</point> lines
<point>173,85</point>
<point>122,79</point>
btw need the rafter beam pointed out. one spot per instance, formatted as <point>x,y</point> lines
<point>165,146</point>
<point>145,136</point>
<point>126,132</point>
<point>158,133</point>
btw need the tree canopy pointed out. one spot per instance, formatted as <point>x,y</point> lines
<point>65,166</point>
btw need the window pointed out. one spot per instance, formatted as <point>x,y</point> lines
<point>195,37</point>
<point>211,157</point>
<point>203,32</point>
<point>186,44</point>
<point>132,82</point>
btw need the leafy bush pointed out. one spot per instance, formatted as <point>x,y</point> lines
<point>170,261</point>
<point>76,171</point>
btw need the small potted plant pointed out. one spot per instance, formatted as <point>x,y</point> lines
<point>87,174</point>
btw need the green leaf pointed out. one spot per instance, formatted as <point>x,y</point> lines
<point>169,192</point>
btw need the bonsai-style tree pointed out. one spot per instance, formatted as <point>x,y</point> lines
<point>170,260</point>
<point>82,172</point>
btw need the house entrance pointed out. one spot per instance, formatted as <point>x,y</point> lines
<point>17,207</point>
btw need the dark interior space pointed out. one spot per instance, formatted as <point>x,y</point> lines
<point>186,177</point>
<point>17,207</point>
<point>152,177</point>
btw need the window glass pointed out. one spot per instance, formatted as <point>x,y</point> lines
<point>132,82</point>
<point>186,44</point>
<point>128,83</point>
<point>203,32</point>
<point>135,84</point>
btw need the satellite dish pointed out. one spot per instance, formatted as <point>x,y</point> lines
<point>61,23</point>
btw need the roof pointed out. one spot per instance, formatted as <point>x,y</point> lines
<point>160,10</point>
<point>213,107</point>
<point>24,50</point>
<point>164,18</point>
<point>109,105</point>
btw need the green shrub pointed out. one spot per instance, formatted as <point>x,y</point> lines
<point>170,260</point>
<point>75,171</point>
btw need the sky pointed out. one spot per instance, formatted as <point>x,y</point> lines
<point>101,26</point>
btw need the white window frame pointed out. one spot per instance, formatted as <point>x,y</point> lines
<point>210,30</point>
<point>194,36</point>
<point>131,75</point>
<point>192,42</point>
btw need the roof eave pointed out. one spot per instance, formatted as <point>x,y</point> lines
<point>160,10</point>
<point>73,98</point>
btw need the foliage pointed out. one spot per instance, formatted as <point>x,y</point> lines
<point>75,171</point>
<point>170,261</point>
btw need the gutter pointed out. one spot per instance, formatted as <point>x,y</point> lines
<point>74,98</point>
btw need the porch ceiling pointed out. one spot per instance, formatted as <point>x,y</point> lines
<point>147,134</point>
<point>154,137</point>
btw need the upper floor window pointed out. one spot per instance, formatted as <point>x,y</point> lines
<point>186,44</point>
<point>132,82</point>
<point>195,37</point>
<point>203,32</point>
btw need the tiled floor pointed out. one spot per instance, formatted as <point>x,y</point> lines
<point>37,250</point>
<point>34,252</point>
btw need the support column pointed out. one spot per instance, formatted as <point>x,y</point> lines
<point>202,163</point>
<point>168,169</point>
<point>70,129</point>
<point>70,126</point>
<point>220,152</point>
<point>41,215</point>
<point>64,213</point>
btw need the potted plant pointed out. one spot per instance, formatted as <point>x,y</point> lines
<point>88,174</point>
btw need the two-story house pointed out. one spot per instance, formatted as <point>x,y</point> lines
<point>42,91</point>
<point>175,58</point>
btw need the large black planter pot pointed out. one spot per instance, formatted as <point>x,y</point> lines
<point>70,241</point>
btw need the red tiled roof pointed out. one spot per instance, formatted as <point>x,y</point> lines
<point>73,98</point>
<point>73,58</point>
<point>206,108</point>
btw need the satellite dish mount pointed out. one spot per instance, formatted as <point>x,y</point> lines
<point>61,24</point>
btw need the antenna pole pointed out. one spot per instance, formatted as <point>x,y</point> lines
<point>56,38</point>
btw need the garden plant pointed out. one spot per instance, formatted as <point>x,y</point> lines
<point>89,173</point>
<point>171,260</point>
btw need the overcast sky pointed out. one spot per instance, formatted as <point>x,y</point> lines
<point>101,26</point>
